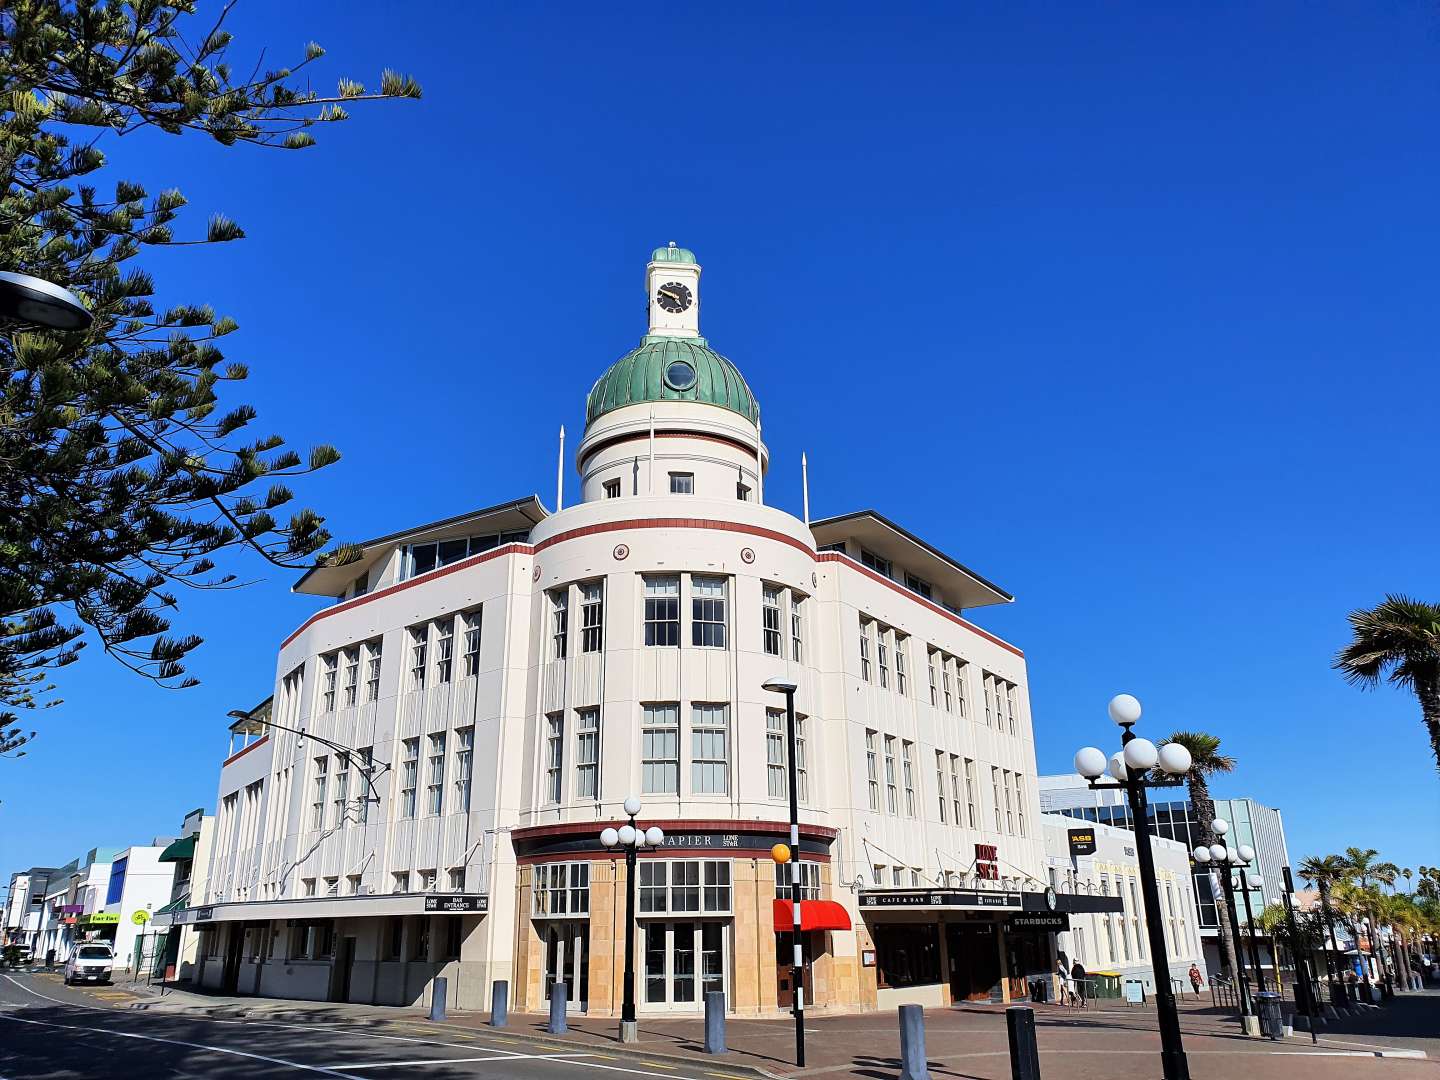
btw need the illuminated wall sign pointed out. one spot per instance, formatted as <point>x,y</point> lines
<point>1082,841</point>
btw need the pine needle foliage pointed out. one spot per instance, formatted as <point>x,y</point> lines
<point>123,477</point>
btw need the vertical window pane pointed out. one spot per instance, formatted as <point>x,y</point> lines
<point>554,756</point>
<point>592,616</point>
<point>660,750</point>
<point>662,611</point>
<point>707,611</point>
<point>709,749</point>
<point>587,753</point>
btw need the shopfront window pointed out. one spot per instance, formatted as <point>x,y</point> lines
<point>907,954</point>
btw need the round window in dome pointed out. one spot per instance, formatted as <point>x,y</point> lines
<point>679,375</point>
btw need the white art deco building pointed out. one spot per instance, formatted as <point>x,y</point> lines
<point>490,688</point>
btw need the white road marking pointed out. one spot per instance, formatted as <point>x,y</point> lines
<point>448,1061</point>
<point>57,1001</point>
<point>180,1042</point>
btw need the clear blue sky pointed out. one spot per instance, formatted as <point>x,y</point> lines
<point>1132,309</point>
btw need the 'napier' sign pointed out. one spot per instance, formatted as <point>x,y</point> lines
<point>1082,841</point>
<point>457,905</point>
<point>935,898</point>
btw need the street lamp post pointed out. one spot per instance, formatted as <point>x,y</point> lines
<point>797,969</point>
<point>1224,858</point>
<point>1129,769</point>
<point>1302,967</point>
<point>1250,881</point>
<point>630,836</point>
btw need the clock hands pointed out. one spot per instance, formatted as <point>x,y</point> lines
<point>673,295</point>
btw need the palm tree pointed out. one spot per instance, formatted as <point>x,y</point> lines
<point>1401,637</point>
<point>1408,874</point>
<point>1207,761</point>
<point>1324,872</point>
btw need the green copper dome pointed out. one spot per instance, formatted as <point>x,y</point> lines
<point>672,254</point>
<point>671,369</point>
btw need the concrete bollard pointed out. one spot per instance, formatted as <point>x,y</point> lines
<point>1024,1051</point>
<point>439,988</point>
<point>715,1022</point>
<point>556,1026</point>
<point>913,1064</point>
<point>500,1003</point>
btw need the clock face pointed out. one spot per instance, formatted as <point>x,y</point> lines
<point>674,297</point>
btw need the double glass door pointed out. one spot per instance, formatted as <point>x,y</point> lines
<point>567,961</point>
<point>683,961</point>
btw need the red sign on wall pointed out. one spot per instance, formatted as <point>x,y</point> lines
<point>987,866</point>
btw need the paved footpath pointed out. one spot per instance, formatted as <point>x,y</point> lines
<point>200,1035</point>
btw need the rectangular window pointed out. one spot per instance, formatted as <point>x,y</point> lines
<point>612,489</point>
<point>995,793</point>
<point>587,753</point>
<point>457,879</point>
<point>1009,807</point>
<point>802,781</point>
<point>352,675</point>
<point>934,685</point>
<point>907,763</point>
<point>400,881</point>
<point>682,483</point>
<point>444,650</point>
<point>419,639</point>
<point>770,619</point>
<point>875,562</point>
<point>363,758</point>
<point>956,799</point>
<point>307,886</point>
<point>882,654</point>
<point>962,676</point>
<point>329,673</point>
<point>972,800</point>
<point>660,750</point>
<point>940,785</point>
<point>865,649</point>
<point>809,880</point>
<point>902,643</point>
<point>989,700</point>
<point>1010,708</point>
<point>428,880</point>
<point>342,788</point>
<point>891,790</point>
<point>709,749</point>
<point>872,770</point>
<point>464,759</point>
<point>776,769</point>
<point>317,804</point>
<point>797,627</point>
<point>691,885</point>
<point>592,616</point>
<point>559,623</point>
<point>707,611</point>
<point>742,491</point>
<point>332,886</point>
<point>435,789</point>
<point>945,683</point>
<point>917,585</point>
<point>561,889</point>
<point>352,884</point>
<point>554,756</point>
<point>470,661</point>
<point>1019,801</point>
<point>372,670</point>
<point>409,776</point>
<point>454,936</point>
<point>662,610</point>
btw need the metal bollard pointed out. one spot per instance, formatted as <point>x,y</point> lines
<point>557,1010</point>
<point>500,1003</point>
<point>715,1022</point>
<point>438,991</point>
<point>913,1064</point>
<point>1024,1052</point>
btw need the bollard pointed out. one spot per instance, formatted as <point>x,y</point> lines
<point>913,1065</point>
<point>557,1010</point>
<point>1024,1052</point>
<point>500,1003</point>
<point>438,987</point>
<point>715,1022</point>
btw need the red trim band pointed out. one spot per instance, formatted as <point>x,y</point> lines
<point>242,752</point>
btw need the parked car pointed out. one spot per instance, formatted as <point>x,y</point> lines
<point>90,961</point>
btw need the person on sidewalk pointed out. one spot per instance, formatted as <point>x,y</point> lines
<point>1067,986</point>
<point>1196,979</point>
<point>1077,972</point>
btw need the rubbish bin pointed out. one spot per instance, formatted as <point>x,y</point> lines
<point>1272,1019</point>
<point>1040,990</point>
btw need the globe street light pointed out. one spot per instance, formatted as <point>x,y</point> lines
<point>797,969</point>
<point>41,303</point>
<point>1131,770</point>
<point>631,837</point>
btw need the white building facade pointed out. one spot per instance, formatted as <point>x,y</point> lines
<point>424,793</point>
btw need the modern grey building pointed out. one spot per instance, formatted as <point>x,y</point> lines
<point>1251,823</point>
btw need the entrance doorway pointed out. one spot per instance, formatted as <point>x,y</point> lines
<point>974,961</point>
<point>567,960</point>
<point>683,961</point>
<point>230,974</point>
<point>785,966</point>
<point>344,969</point>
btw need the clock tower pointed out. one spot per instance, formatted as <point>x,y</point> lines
<point>672,281</point>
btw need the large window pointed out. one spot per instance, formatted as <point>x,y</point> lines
<point>907,954</point>
<point>372,670</point>
<point>770,619</point>
<point>872,769</point>
<point>940,787</point>
<point>995,793</point>
<point>444,650</point>
<point>435,789</point>
<point>409,776</point>
<point>587,753</point>
<point>422,558</point>
<point>907,762</point>
<point>865,649</point>
<point>682,483</point>
<point>775,767</point>
<point>707,611</point>
<point>809,880</point>
<point>962,694</point>
<point>470,661</point>
<point>660,750</point>
<point>700,886</point>
<point>709,749</point>
<point>901,645</point>
<point>875,562</point>
<point>561,888</point>
<point>662,610</point>
<point>797,627</point>
<point>554,756</point>
<point>559,623</point>
<point>364,756</point>
<point>592,616</point>
<point>317,804</point>
<point>882,653</point>
<point>891,792</point>
<point>342,788</point>
<point>972,797</point>
<point>419,638</point>
<point>329,673</point>
<point>464,759</point>
<point>352,675</point>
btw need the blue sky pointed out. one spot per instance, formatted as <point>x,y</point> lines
<point>1129,307</point>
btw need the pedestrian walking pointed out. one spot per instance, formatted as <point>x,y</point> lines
<point>1067,985</point>
<point>1196,979</point>
<point>1077,972</point>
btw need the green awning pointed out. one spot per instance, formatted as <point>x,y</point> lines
<point>172,907</point>
<point>184,848</point>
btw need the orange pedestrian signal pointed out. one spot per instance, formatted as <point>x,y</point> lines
<point>780,853</point>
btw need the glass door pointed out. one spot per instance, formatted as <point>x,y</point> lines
<point>567,961</point>
<point>682,961</point>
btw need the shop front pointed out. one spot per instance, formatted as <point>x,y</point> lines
<point>705,913</point>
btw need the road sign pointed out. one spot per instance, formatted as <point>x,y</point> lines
<point>140,918</point>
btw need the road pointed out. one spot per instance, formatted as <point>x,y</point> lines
<point>51,1032</point>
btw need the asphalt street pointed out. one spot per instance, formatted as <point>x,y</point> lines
<point>51,1032</point>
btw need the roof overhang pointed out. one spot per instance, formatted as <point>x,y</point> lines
<point>336,907</point>
<point>956,582</point>
<point>504,517</point>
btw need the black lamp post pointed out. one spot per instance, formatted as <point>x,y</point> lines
<point>797,969</point>
<point>1302,963</point>
<point>1223,857</point>
<point>630,836</point>
<point>1130,770</point>
<point>36,302</point>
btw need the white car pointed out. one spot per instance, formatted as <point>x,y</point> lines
<point>89,961</point>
